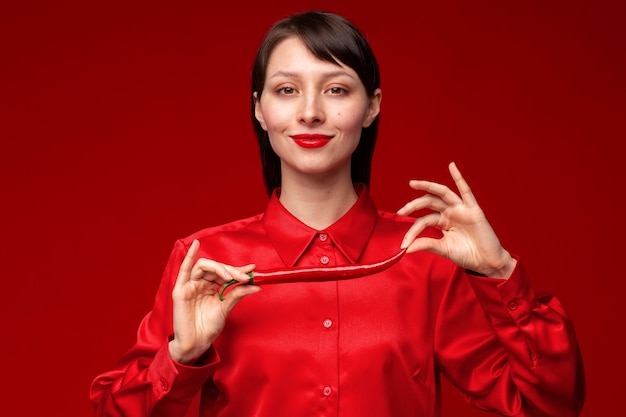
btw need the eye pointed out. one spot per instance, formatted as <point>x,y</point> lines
<point>336,91</point>
<point>286,91</point>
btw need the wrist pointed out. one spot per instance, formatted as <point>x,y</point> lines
<point>503,270</point>
<point>184,356</point>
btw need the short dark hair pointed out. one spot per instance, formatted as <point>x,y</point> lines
<point>329,37</point>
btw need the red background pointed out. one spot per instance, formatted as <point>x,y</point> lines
<point>126,126</point>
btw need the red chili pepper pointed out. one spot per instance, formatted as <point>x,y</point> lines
<point>321,274</point>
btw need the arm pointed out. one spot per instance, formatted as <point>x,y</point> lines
<point>524,358</point>
<point>152,379</point>
<point>507,349</point>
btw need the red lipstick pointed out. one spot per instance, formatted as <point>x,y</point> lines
<point>311,140</point>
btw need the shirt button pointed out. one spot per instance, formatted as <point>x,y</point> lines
<point>327,391</point>
<point>513,305</point>
<point>328,323</point>
<point>323,237</point>
<point>164,385</point>
<point>324,260</point>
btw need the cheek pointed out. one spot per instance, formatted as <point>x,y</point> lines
<point>276,117</point>
<point>277,120</point>
<point>351,119</point>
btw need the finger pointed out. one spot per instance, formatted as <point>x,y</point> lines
<point>440,190</point>
<point>425,244</point>
<point>464,189</point>
<point>236,293</point>
<point>210,270</point>
<point>418,227</point>
<point>184,273</point>
<point>247,268</point>
<point>240,273</point>
<point>427,201</point>
<point>243,275</point>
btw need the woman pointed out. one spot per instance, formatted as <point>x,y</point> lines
<point>457,303</point>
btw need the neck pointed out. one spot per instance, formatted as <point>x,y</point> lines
<point>317,202</point>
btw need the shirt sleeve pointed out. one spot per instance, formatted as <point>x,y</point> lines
<point>146,381</point>
<point>507,349</point>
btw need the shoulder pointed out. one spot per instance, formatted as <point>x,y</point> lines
<point>224,243</point>
<point>239,229</point>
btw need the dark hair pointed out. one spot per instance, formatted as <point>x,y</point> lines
<point>329,37</point>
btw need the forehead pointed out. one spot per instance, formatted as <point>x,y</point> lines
<point>291,55</point>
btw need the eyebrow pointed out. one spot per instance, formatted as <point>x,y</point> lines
<point>292,74</point>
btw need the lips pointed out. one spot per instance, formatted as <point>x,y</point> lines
<point>311,140</point>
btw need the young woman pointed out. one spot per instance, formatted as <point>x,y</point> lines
<point>456,303</point>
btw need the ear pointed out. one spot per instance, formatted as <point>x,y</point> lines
<point>258,114</point>
<point>373,108</point>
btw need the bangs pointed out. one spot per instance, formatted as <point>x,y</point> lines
<point>336,39</point>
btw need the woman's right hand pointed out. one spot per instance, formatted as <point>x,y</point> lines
<point>199,314</point>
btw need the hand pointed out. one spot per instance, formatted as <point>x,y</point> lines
<point>468,238</point>
<point>199,314</point>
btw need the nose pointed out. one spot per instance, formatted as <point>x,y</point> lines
<point>312,111</point>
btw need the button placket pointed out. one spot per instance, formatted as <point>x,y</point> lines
<point>322,249</point>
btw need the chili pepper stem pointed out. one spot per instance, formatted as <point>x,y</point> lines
<point>233,282</point>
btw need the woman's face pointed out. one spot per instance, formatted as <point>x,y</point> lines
<point>313,111</point>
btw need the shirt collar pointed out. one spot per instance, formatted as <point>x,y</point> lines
<point>350,233</point>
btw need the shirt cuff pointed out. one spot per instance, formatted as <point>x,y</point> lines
<point>179,381</point>
<point>505,299</point>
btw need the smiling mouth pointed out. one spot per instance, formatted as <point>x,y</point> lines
<point>311,140</point>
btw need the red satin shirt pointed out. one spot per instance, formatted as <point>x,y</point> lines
<point>373,346</point>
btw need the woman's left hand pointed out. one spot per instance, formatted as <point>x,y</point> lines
<point>468,238</point>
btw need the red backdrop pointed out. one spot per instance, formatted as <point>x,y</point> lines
<point>126,126</point>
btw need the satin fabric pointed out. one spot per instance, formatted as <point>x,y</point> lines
<point>372,346</point>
